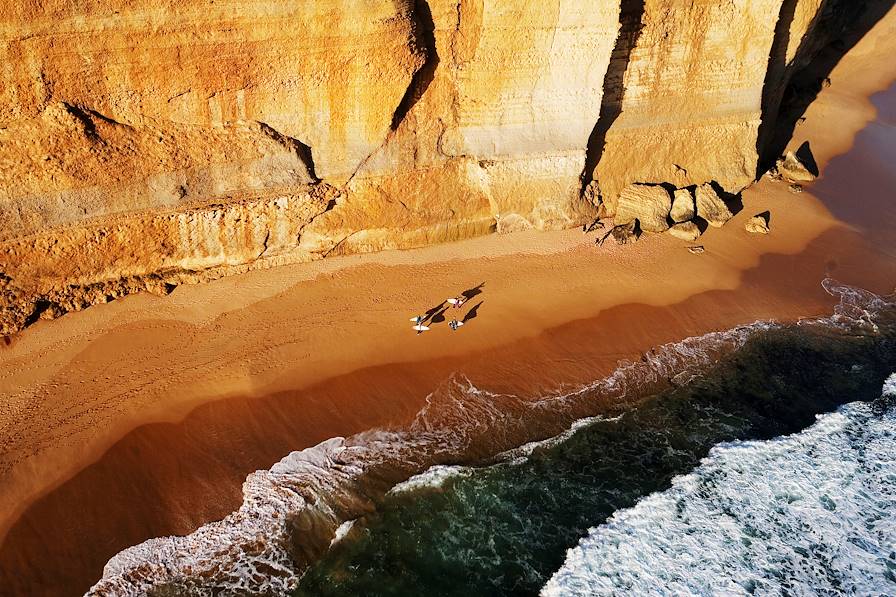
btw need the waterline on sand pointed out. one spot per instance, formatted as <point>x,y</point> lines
<point>292,513</point>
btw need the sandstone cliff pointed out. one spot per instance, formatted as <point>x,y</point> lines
<point>148,143</point>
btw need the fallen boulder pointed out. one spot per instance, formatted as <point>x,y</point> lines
<point>685,231</point>
<point>711,207</point>
<point>758,224</point>
<point>512,223</point>
<point>798,166</point>
<point>683,209</point>
<point>791,169</point>
<point>649,204</point>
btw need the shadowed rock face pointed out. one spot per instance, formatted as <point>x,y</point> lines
<point>146,144</point>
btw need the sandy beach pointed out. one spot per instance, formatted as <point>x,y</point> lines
<point>142,417</point>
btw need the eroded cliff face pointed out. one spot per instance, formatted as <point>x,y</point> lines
<point>144,144</point>
<point>494,133</point>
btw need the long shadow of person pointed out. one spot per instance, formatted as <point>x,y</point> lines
<point>432,312</point>
<point>438,317</point>
<point>468,294</point>
<point>472,313</point>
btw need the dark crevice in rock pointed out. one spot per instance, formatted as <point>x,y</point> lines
<point>323,192</point>
<point>631,22</point>
<point>424,37</point>
<point>88,118</point>
<point>40,306</point>
<point>837,27</point>
<point>775,73</point>
<point>670,188</point>
<point>301,150</point>
<point>264,243</point>
<point>734,201</point>
<point>425,40</point>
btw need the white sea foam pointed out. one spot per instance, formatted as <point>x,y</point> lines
<point>314,491</point>
<point>520,454</point>
<point>807,514</point>
<point>436,476</point>
<point>890,386</point>
<point>343,530</point>
<point>433,478</point>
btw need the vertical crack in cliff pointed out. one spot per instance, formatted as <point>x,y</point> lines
<point>264,243</point>
<point>837,27</point>
<point>774,75</point>
<point>631,22</point>
<point>302,151</point>
<point>425,39</point>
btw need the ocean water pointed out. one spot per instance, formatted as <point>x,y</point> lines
<point>812,513</point>
<point>691,470</point>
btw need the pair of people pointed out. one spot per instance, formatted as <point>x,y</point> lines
<point>418,322</point>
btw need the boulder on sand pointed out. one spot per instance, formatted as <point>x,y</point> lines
<point>710,206</point>
<point>683,209</point>
<point>625,234</point>
<point>649,204</point>
<point>758,224</point>
<point>798,166</point>
<point>687,231</point>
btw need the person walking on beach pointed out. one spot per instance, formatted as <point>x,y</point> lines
<point>453,325</point>
<point>419,326</point>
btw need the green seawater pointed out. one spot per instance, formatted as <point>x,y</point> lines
<point>505,528</point>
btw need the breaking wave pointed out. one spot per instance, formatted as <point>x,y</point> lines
<point>292,513</point>
<point>809,513</point>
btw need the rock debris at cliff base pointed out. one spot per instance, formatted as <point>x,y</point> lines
<point>141,149</point>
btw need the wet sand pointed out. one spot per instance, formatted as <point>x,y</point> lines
<point>142,417</point>
<point>168,478</point>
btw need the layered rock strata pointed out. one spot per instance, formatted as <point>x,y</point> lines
<point>145,144</point>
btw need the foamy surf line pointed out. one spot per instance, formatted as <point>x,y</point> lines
<point>292,513</point>
<point>803,514</point>
<point>436,476</point>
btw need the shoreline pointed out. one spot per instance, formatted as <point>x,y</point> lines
<point>203,367</point>
<point>208,444</point>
